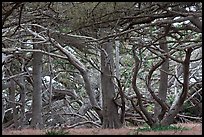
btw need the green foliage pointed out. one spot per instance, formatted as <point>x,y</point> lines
<point>148,63</point>
<point>59,62</point>
<point>170,99</point>
<point>162,128</point>
<point>87,13</point>
<point>56,132</point>
<point>157,128</point>
<point>65,30</point>
<point>150,108</point>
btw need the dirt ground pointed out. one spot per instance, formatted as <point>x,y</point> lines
<point>195,129</point>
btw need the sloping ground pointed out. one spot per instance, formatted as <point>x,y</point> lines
<point>195,129</point>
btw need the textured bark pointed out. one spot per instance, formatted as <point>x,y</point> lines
<point>144,113</point>
<point>37,89</point>
<point>110,111</point>
<point>117,58</point>
<point>163,85</point>
<point>177,104</point>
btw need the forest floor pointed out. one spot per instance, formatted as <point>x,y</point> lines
<point>194,129</point>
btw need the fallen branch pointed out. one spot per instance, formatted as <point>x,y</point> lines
<point>82,123</point>
<point>190,117</point>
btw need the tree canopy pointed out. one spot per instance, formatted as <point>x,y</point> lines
<point>102,64</point>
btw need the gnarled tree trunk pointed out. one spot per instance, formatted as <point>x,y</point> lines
<point>158,115</point>
<point>110,110</point>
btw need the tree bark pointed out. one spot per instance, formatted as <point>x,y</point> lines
<point>110,111</point>
<point>158,114</point>
<point>117,58</point>
<point>177,104</point>
<point>143,113</point>
<point>37,89</point>
<point>23,97</point>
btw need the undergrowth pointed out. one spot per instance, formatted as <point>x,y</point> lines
<point>163,128</point>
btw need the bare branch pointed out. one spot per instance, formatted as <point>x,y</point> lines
<point>136,90</point>
<point>17,50</point>
<point>82,123</point>
<point>163,105</point>
<point>14,76</point>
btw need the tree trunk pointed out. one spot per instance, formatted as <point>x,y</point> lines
<point>110,110</point>
<point>117,58</point>
<point>2,100</point>
<point>37,89</point>
<point>23,97</point>
<point>177,104</point>
<point>158,115</point>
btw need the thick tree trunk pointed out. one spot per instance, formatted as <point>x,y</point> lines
<point>110,110</point>
<point>37,89</point>
<point>163,85</point>
<point>177,104</point>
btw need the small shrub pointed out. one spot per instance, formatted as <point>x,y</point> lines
<point>56,132</point>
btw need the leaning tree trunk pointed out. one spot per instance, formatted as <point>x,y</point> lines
<point>82,69</point>
<point>110,110</point>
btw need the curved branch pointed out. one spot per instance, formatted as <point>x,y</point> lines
<point>122,95</point>
<point>149,119</point>
<point>148,83</point>
<point>82,69</point>
<point>182,96</point>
